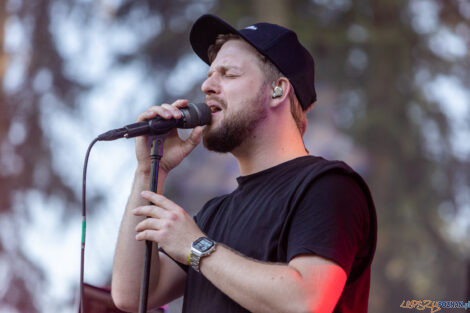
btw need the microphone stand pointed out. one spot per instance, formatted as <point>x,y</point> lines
<point>156,154</point>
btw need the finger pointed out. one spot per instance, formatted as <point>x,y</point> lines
<point>180,103</point>
<point>192,141</point>
<point>176,113</point>
<point>149,210</point>
<point>153,112</point>
<point>160,201</point>
<point>146,115</point>
<point>151,235</point>
<point>149,223</point>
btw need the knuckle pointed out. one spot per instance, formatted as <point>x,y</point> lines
<point>166,225</point>
<point>172,216</point>
<point>152,211</point>
<point>180,211</point>
<point>161,200</point>
<point>158,110</point>
<point>154,201</point>
<point>149,223</point>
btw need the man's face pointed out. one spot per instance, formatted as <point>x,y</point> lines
<point>237,94</point>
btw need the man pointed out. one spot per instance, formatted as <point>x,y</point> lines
<point>299,232</point>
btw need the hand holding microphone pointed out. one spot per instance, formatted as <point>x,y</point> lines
<point>165,119</point>
<point>190,116</point>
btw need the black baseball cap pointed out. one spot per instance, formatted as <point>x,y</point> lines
<point>279,44</point>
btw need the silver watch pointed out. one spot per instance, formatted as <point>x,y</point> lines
<point>200,248</point>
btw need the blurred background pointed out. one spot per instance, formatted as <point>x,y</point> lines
<point>392,102</point>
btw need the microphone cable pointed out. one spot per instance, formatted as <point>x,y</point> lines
<point>82,256</point>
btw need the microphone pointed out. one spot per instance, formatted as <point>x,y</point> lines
<point>193,115</point>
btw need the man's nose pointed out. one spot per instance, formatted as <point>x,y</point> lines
<point>210,85</point>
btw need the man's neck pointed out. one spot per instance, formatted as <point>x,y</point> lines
<point>260,153</point>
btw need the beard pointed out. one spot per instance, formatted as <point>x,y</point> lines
<point>236,127</point>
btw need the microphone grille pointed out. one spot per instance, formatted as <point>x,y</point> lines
<point>199,115</point>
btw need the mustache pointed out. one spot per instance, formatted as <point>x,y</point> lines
<point>220,101</point>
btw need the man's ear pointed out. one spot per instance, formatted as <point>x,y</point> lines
<point>279,91</point>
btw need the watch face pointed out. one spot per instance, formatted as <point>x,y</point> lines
<point>203,244</point>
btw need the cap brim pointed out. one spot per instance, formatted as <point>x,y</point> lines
<point>204,33</point>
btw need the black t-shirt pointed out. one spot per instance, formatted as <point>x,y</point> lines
<point>303,206</point>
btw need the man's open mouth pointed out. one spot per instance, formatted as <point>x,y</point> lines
<point>215,108</point>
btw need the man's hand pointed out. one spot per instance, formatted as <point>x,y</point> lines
<point>175,149</point>
<point>167,224</point>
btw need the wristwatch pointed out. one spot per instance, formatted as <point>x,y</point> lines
<point>200,248</point>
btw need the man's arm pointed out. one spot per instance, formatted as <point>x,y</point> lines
<point>167,279</point>
<point>306,284</point>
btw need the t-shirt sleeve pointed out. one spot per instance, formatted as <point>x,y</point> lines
<point>330,220</point>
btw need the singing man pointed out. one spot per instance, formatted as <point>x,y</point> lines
<point>298,234</point>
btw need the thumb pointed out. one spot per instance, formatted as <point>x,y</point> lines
<point>192,141</point>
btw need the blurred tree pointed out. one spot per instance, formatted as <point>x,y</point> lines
<point>35,70</point>
<point>25,159</point>
<point>374,56</point>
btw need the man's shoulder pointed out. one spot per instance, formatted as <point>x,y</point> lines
<point>325,164</point>
<point>322,167</point>
<point>312,167</point>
